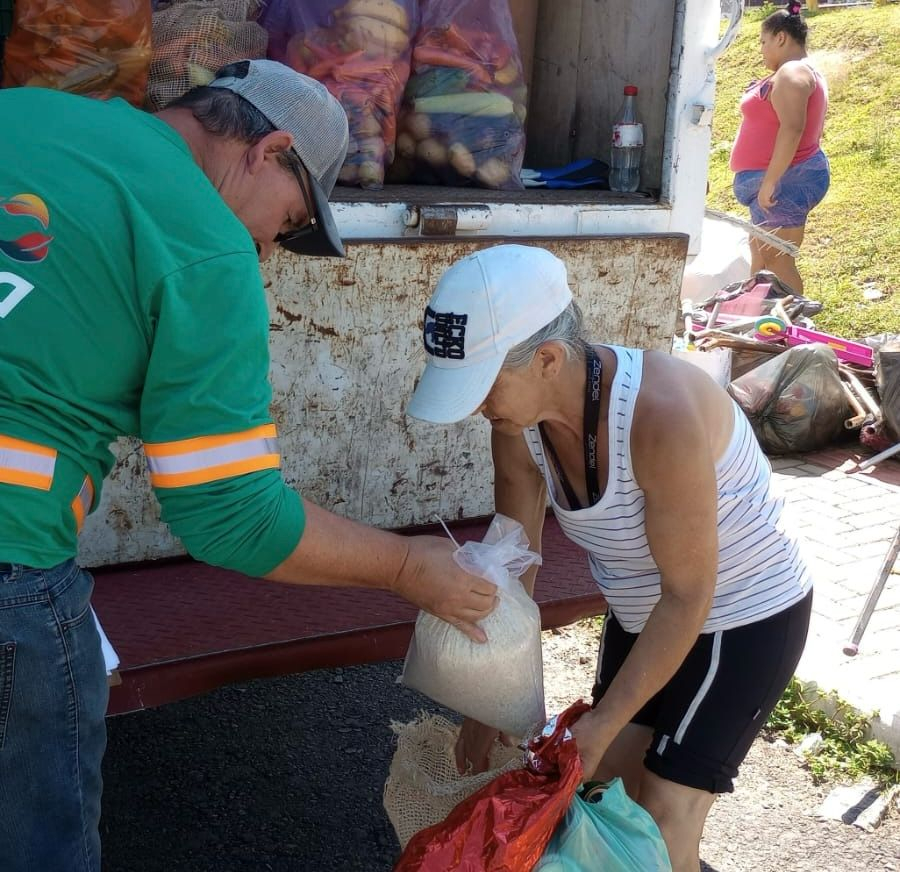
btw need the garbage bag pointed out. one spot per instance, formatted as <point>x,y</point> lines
<point>795,402</point>
<point>463,113</point>
<point>506,825</point>
<point>880,340</point>
<point>605,829</point>
<point>98,48</point>
<point>193,39</point>
<point>360,50</point>
<point>499,682</point>
<point>887,379</point>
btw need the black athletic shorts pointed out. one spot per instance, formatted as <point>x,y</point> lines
<point>706,718</point>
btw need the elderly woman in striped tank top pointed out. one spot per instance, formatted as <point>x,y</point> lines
<point>781,172</point>
<point>651,468</point>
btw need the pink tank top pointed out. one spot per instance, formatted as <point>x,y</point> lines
<point>755,141</point>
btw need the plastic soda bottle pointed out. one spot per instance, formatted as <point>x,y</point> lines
<point>627,146</point>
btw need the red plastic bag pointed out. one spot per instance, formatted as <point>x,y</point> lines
<point>360,50</point>
<point>463,113</point>
<point>91,47</point>
<point>505,826</point>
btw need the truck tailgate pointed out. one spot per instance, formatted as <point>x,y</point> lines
<point>182,628</point>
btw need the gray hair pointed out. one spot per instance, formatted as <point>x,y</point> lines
<point>223,113</point>
<point>567,329</point>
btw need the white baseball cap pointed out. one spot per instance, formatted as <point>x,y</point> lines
<point>484,305</point>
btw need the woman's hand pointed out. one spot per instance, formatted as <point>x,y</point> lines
<point>473,747</point>
<point>766,196</point>
<point>592,740</point>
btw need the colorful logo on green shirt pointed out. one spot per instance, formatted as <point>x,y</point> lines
<point>31,247</point>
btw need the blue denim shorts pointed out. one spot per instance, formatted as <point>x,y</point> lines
<point>799,190</point>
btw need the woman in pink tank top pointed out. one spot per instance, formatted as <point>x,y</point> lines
<point>780,170</point>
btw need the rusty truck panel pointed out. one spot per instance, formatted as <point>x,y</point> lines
<point>346,351</point>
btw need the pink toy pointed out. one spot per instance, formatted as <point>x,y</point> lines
<point>849,352</point>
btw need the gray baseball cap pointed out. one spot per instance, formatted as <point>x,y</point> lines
<point>304,108</point>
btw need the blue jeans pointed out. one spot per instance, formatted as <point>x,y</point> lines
<point>53,697</point>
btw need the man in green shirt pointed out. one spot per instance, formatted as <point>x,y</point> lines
<point>131,303</point>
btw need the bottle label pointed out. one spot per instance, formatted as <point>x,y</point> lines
<point>628,135</point>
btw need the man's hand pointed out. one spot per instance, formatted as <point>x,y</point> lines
<point>431,580</point>
<point>473,747</point>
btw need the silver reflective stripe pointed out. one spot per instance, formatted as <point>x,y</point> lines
<point>27,461</point>
<point>704,689</point>
<point>86,495</point>
<point>205,458</point>
<point>663,742</point>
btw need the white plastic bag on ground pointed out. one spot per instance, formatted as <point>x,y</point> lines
<point>423,785</point>
<point>724,257</point>
<point>499,682</point>
<point>716,363</point>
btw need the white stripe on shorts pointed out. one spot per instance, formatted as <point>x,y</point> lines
<point>704,689</point>
<point>602,646</point>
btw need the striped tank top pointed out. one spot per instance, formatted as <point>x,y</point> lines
<point>760,569</point>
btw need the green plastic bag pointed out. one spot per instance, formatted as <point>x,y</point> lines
<point>605,829</point>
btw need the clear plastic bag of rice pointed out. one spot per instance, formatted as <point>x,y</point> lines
<point>499,682</point>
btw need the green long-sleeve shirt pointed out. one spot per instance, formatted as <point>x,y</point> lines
<point>131,303</point>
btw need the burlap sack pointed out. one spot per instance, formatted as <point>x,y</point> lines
<point>423,786</point>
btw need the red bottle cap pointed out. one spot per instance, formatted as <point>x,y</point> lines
<point>630,90</point>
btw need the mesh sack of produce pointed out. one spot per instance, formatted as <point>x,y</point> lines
<point>463,113</point>
<point>423,785</point>
<point>360,51</point>
<point>98,49</point>
<point>499,682</point>
<point>795,402</point>
<point>192,39</point>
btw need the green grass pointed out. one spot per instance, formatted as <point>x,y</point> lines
<point>853,236</point>
<point>845,753</point>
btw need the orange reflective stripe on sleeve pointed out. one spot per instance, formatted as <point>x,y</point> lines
<point>82,503</point>
<point>26,463</point>
<point>211,458</point>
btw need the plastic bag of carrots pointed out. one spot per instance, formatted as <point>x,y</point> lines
<point>463,113</point>
<point>360,50</point>
<point>193,39</point>
<point>99,48</point>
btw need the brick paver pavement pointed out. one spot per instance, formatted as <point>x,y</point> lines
<point>845,521</point>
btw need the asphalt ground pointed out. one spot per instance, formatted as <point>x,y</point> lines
<point>281,774</point>
<point>287,774</point>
